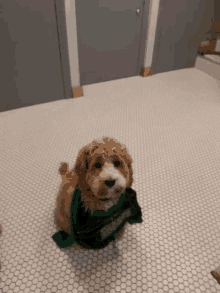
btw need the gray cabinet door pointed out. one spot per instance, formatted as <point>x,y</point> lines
<point>109,35</point>
<point>181,27</point>
<point>30,67</point>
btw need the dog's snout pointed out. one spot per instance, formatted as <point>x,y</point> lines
<point>109,183</point>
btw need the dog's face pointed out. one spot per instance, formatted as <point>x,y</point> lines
<point>104,171</point>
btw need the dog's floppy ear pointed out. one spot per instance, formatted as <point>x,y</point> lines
<point>82,162</point>
<point>130,176</point>
<point>128,160</point>
<point>84,157</point>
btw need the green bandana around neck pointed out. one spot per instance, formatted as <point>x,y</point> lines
<point>96,229</point>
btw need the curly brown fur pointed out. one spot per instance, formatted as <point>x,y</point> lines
<point>103,170</point>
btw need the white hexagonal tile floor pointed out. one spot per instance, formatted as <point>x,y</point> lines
<point>170,124</point>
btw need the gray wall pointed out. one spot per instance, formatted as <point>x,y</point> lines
<point>217,10</point>
<point>30,64</point>
<point>181,27</point>
<point>149,26</point>
<point>196,16</point>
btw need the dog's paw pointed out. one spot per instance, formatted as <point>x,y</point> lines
<point>63,168</point>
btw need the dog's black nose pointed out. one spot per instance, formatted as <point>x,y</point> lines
<point>109,183</point>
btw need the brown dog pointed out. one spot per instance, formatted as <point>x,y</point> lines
<point>102,172</point>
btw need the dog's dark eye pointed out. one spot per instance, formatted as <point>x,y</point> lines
<point>116,163</point>
<point>97,165</point>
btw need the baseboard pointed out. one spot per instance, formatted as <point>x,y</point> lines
<point>77,92</point>
<point>146,71</point>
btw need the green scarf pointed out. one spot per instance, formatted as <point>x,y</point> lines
<point>96,230</point>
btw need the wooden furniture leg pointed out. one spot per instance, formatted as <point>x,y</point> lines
<point>210,47</point>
